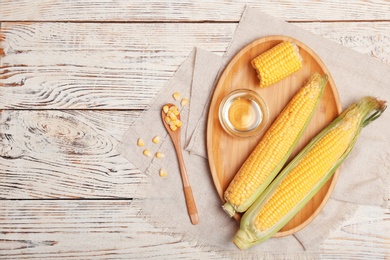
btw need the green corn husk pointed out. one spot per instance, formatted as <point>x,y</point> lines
<point>229,207</point>
<point>369,109</point>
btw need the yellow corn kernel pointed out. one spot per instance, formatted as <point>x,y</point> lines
<point>184,102</point>
<point>172,117</point>
<point>147,153</point>
<point>176,112</point>
<point>165,109</point>
<point>160,155</point>
<point>156,139</point>
<point>162,173</point>
<point>274,148</point>
<point>304,176</point>
<point>277,63</point>
<point>140,142</point>
<point>176,95</point>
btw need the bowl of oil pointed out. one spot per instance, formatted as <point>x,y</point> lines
<point>243,113</point>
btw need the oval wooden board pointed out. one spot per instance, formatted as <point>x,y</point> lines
<point>226,153</point>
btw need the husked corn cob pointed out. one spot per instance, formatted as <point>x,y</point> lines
<point>274,148</point>
<point>306,174</point>
<point>277,63</point>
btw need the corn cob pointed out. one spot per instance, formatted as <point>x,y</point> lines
<point>277,63</point>
<point>274,148</point>
<point>306,174</point>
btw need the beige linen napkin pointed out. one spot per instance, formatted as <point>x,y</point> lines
<point>355,75</point>
<point>163,201</point>
<point>364,176</point>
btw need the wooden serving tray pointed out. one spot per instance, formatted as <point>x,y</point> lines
<point>226,153</point>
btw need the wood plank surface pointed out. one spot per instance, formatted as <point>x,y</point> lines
<point>65,154</point>
<point>95,229</point>
<point>215,10</point>
<point>51,65</point>
<point>75,74</point>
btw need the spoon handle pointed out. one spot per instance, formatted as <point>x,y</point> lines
<point>190,201</point>
<point>191,206</point>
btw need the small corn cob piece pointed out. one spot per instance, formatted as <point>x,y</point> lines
<point>306,174</point>
<point>277,63</point>
<point>274,148</point>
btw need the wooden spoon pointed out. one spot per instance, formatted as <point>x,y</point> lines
<point>175,136</point>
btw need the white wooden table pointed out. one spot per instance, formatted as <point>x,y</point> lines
<point>75,74</point>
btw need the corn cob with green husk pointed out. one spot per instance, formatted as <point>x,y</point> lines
<point>306,174</point>
<point>274,148</point>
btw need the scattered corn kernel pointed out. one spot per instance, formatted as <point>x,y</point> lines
<point>147,153</point>
<point>162,173</point>
<point>176,95</point>
<point>184,102</point>
<point>140,142</point>
<point>156,139</point>
<point>160,155</point>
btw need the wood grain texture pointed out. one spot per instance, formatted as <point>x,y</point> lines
<point>120,64</point>
<point>102,229</point>
<point>52,65</point>
<point>215,10</point>
<point>65,154</point>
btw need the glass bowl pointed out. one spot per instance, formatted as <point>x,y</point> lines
<point>243,113</point>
